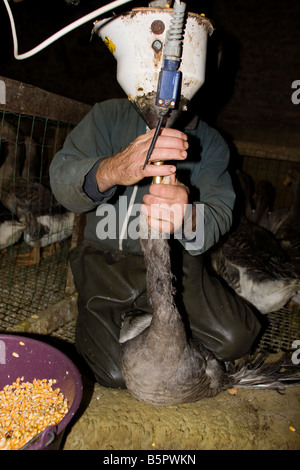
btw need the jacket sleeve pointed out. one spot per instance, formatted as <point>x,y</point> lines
<point>210,176</point>
<point>84,146</point>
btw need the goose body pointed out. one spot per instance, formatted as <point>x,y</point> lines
<point>283,223</point>
<point>253,263</point>
<point>24,197</point>
<point>44,220</point>
<point>264,198</point>
<point>12,156</point>
<point>10,233</point>
<point>161,365</point>
<point>53,229</point>
<point>287,232</point>
<point>250,259</point>
<point>257,206</point>
<point>11,230</point>
<point>180,370</point>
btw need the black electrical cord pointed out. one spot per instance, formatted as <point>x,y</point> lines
<point>157,130</point>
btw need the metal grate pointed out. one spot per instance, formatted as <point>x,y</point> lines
<point>282,330</point>
<point>274,171</point>
<point>28,290</point>
<point>27,146</point>
<point>66,333</point>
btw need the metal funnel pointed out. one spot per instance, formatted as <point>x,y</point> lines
<point>136,39</point>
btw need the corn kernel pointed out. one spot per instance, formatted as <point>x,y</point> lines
<point>27,408</point>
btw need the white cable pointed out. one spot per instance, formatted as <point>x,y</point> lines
<point>128,214</point>
<point>62,32</point>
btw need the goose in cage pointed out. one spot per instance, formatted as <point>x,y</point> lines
<point>11,230</point>
<point>44,220</point>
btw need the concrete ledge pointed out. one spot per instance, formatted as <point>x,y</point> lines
<point>50,319</point>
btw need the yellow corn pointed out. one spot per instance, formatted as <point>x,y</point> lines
<point>27,408</point>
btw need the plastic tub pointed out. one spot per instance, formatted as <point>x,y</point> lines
<point>32,359</point>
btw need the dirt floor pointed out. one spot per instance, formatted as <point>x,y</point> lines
<point>247,420</point>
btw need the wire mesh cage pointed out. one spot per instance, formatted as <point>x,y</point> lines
<point>35,230</point>
<point>274,171</point>
<point>34,249</point>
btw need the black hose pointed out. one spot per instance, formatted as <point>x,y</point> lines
<point>157,130</point>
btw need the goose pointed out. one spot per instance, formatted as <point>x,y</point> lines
<point>264,199</point>
<point>162,366</point>
<point>253,263</point>
<point>12,153</point>
<point>11,230</point>
<point>268,218</point>
<point>45,221</point>
<point>278,221</point>
<point>284,222</point>
<point>244,184</point>
<point>286,226</point>
<point>52,229</point>
<point>256,267</point>
<point>257,204</point>
<point>10,233</point>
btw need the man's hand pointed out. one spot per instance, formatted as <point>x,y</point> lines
<point>165,205</point>
<point>126,168</point>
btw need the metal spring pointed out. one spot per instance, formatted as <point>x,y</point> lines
<point>175,32</point>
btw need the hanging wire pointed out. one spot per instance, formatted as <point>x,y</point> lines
<point>62,32</point>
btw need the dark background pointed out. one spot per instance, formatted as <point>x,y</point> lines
<point>248,97</point>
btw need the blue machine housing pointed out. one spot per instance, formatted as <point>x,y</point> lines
<point>168,84</point>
